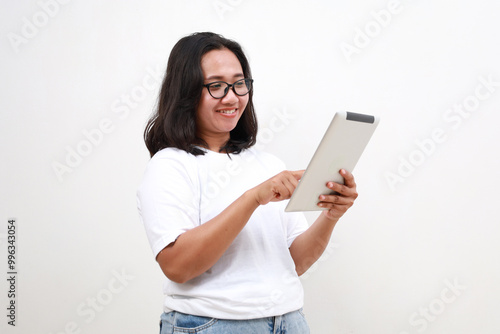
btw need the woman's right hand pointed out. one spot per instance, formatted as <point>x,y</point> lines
<point>277,188</point>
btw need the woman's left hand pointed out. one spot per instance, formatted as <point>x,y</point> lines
<point>340,202</point>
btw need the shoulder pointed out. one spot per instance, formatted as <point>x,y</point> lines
<point>170,164</point>
<point>171,156</point>
<point>172,153</point>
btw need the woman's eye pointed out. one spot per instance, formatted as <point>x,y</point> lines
<point>216,86</point>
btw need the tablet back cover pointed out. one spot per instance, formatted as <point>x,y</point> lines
<point>341,147</point>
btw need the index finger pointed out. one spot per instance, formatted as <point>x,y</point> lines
<point>348,178</point>
<point>298,173</point>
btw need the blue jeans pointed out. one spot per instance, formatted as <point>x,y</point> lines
<point>289,323</point>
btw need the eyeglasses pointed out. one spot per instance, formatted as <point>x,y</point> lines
<point>219,89</point>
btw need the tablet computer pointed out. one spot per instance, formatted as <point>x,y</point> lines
<point>341,147</point>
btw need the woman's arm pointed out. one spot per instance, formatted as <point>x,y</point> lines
<point>198,249</point>
<point>308,247</point>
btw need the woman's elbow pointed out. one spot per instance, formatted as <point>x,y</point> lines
<point>177,276</point>
<point>176,272</point>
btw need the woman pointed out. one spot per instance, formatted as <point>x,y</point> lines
<point>213,207</point>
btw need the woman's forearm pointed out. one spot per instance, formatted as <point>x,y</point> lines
<point>307,248</point>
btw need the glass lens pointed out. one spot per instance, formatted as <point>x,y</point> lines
<point>218,89</point>
<point>242,86</point>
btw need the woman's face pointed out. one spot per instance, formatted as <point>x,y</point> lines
<point>216,117</point>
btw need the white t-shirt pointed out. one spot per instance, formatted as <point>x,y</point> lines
<point>256,276</point>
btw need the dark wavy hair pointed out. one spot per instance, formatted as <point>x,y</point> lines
<point>174,122</point>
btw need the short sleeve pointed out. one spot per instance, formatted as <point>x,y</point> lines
<point>296,224</point>
<point>167,198</point>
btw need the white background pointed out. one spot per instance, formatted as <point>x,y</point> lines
<point>418,253</point>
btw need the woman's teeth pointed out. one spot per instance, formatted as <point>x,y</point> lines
<point>231,111</point>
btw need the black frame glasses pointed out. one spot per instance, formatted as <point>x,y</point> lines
<point>248,84</point>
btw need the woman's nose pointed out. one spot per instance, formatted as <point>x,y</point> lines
<point>230,97</point>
